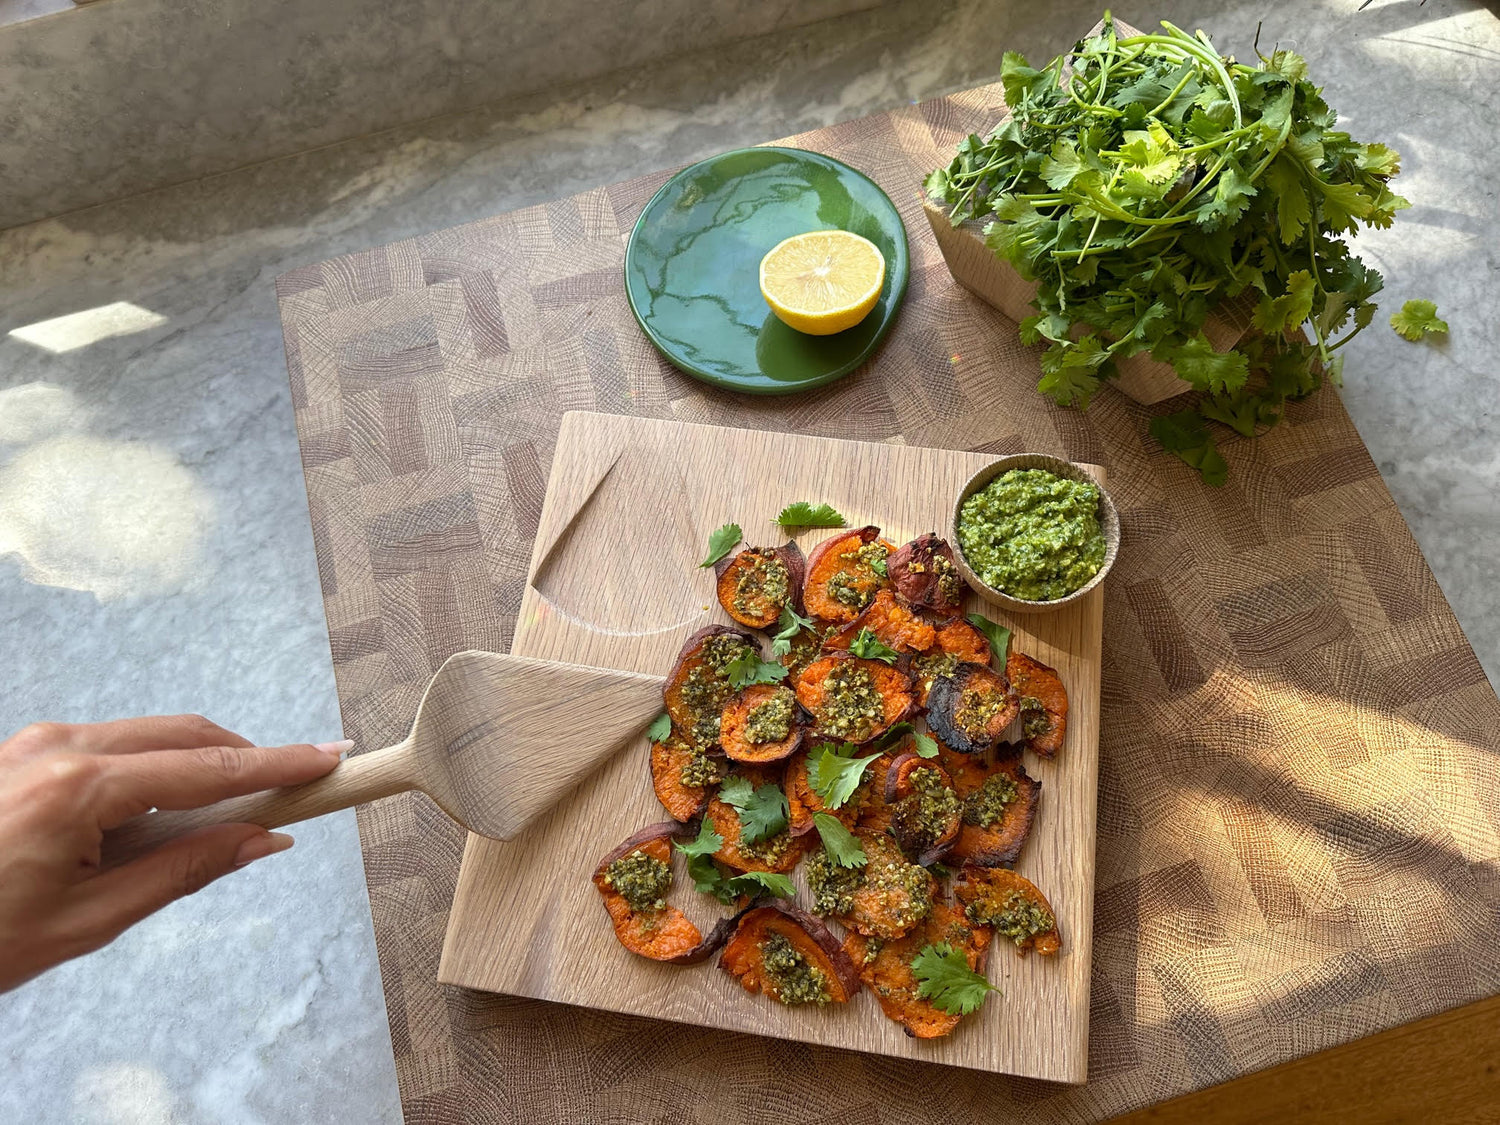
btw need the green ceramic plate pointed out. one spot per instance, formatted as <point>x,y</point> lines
<point>692,269</point>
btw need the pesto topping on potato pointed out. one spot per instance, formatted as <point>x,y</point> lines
<point>771,721</point>
<point>832,885</point>
<point>920,819</point>
<point>1033,534</point>
<point>769,851</point>
<point>702,769</point>
<point>641,880</point>
<point>1015,916</point>
<point>707,686</point>
<point>933,666</point>
<point>856,583</point>
<point>988,803</point>
<point>1034,719</point>
<point>852,707</point>
<point>762,584</point>
<point>977,705</point>
<point>794,980</point>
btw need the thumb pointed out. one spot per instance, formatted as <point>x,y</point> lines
<point>184,865</point>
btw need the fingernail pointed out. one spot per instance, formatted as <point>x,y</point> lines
<point>258,847</point>
<point>337,749</point>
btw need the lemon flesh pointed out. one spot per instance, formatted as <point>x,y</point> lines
<point>822,282</point>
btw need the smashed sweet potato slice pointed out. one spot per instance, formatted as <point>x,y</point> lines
<point>1011,905</point>
<point>852,699</point>
<point>1043,702</point>
<point>894,625</point>
<point>803,647</point>
<point>890,895</point>
<point>956,641</point>
<point>803,801</point>
<point>886,967</point>
<point>999,803</point>
<point>681,775</point>
<point>925,809</point>
<point>653,929</point>
<point>698,684</point>
<point>790,956</point>
<point>841,577</point>
<point>924,573</point>
<point>757,583</point>
<point>971,708</point>
<point>760,724</point>
<point>779,853</point>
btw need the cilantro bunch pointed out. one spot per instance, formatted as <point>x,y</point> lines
<point>1142,181</point>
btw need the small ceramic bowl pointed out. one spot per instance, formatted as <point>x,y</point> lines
<point>1109,523</point>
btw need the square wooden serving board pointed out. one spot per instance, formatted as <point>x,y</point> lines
<point>614,583</point>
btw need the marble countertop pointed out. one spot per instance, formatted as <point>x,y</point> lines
<point>259,999</point>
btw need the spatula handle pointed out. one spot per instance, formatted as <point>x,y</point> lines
<point>364,777</point>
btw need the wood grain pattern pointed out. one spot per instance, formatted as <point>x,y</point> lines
<point>538,929</point>
<point>486,746</point>
<point>1299,826</point>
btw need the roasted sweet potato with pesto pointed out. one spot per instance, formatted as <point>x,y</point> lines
<point>634,879</point>
<point>803,801</point>
<point>842,577</point>
<point>760,723</point>
<point>698,684</point>
<point>884,898</point>
<point>894,625</point>
<point>956,641</point>
<point>924,573</point>
<point>790,956</point>
<point>886,967</point>
<point>756,584</point>
<point>1043,701</point>
<point>998,803</point>
<point>926,814</point>
<point>971,708</point>
<point>804,646</point>
<point>778,853</point>
<point>681,774</point>
<point>1011,905</point>
<point>852,699</point>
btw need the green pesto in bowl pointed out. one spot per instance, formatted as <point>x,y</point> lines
<point>1033,535</point>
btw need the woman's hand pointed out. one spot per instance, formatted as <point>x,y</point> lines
<point>62,786</point>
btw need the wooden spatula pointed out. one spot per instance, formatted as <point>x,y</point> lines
<point>497,741</point>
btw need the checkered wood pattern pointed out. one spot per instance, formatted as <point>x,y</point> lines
<point>1298,801</point>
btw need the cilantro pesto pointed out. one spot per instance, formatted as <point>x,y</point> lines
<point>1033,534</point>
<point>771,721</point>
<point>707,685</point>
<point>852,707</point>
<point>1015,916</point>
<point>641,880</point>
<point>988,803</point>
<point>794,979</point>
<point>923,817</point>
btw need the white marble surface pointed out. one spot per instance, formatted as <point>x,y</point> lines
<point>259,1001</point>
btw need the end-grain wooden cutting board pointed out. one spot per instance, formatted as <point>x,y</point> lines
<point>614,583</point>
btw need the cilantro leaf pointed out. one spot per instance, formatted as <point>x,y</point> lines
<point>944,977</point>
<point>763,812</point>
<point>1293,210</point>
<point>749,668</point>
<point>841,845</point>
<point>757,883</point>
<point>1207,369</point>
<point>1416,319</point>
<point>834,773</point>
<point>1185,435</point>
<point>999,635</point>
<point>721,542</point>
<point>660,729</point>
<point>925,744</point>
<point>893,734</point>
<point>791,623</point>
<point>1286,312</point>
<point>707,842</point>
<point>701,868</point>
<point>803,514</point>
<point>878,566</point>
<point>869,647</point>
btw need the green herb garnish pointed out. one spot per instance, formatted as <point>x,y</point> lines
<point>926,745</point>
<point>757,883</point>
<point>749,669</point>
<point>834,773</point>
<point>790,623</point>
<point>803,514</point>
<point>721,542</point>
<point>999,635</point>
<point>706,876</point>
<point>763,812</point>
<point>868,646</point>
<point>1416,319</point>
<point>660,729</point>
<point>841,845</point>
<point>944,977</point>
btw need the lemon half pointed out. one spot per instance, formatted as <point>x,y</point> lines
<point>822,282</point>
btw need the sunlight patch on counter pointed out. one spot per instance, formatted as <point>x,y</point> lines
<point>88,326</point>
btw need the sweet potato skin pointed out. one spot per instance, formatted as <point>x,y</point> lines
<point>923,572</point>
<point>689,657</point>
<point>946,698</point>
<point>732,732</point>
<point>978,883</point>
<point>893,685</point>
<point>895,625</point>
<point>659,935</point>
<point>1000,843</point>
<point>887,969</point>
<point>727,571</point>
<point>1033,679</point>
<point>742,960</point>
<point>668,757</point>
<point>825,562</point>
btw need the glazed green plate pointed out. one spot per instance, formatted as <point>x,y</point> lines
<point>692,268</point>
